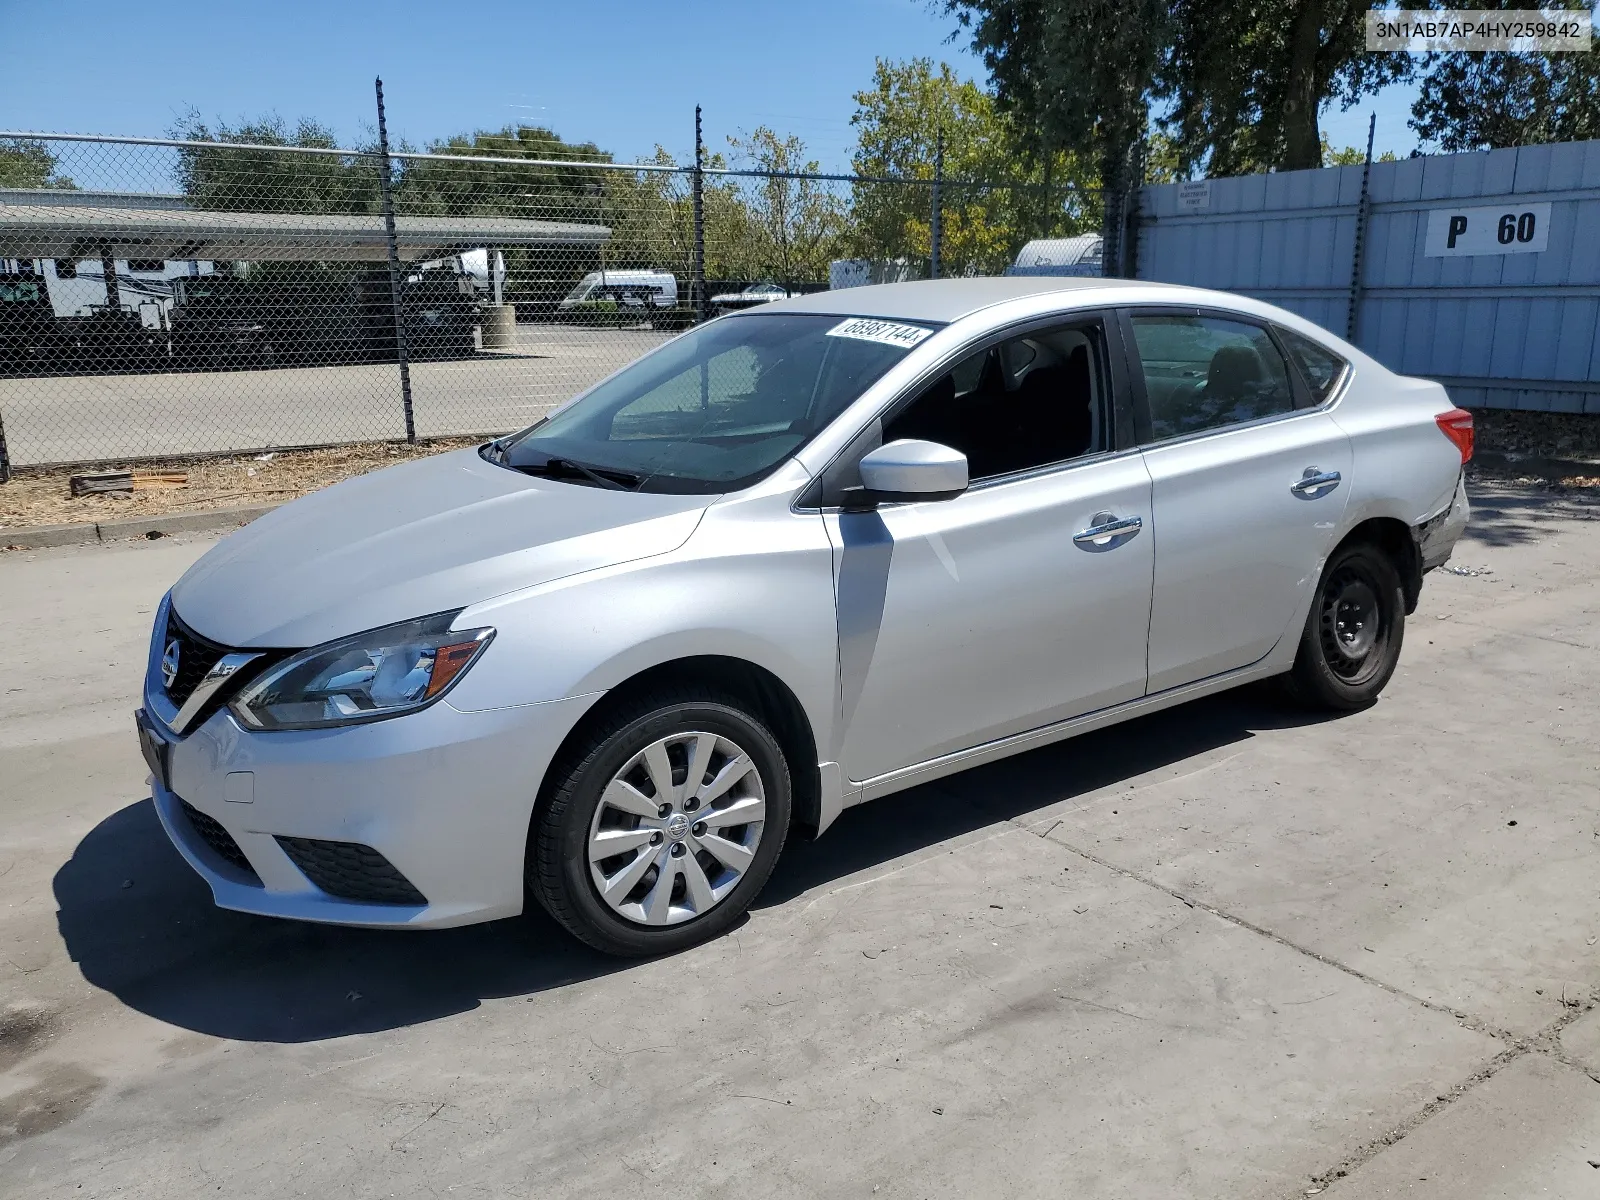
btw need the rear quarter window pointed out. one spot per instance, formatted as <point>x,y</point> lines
<point>1321,367</point>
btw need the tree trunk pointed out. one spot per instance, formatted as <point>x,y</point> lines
<point>1302,141</point>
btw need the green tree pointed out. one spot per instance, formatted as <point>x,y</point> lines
<point>502,184</point>
<point>1161,162</point>
<point>25,163</point>
<point>1240,85</point>
<point>794,224</point>
<point>1022,192</point>
<point>1246,81</point>
<point>1349,156</point>
<point>1490,100</point>
<point>270,180</point>
<point>651,216</point>
<point>1074,75</point>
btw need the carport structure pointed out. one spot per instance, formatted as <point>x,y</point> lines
<point>125,373</point>
<point>70,225</point>
<point>59,224</point>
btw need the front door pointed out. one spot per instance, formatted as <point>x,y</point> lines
<point>1010,606</point>
<point>1249,492</point>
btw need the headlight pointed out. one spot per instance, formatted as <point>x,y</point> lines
<point>381,673</point>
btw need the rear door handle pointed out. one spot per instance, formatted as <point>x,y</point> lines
<point>1315,483</point>
<point>1108,532</point>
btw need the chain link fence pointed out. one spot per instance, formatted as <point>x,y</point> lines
<point>162,298</point>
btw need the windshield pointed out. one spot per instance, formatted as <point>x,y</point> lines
<point>585,286</point>
<point>720,407</point>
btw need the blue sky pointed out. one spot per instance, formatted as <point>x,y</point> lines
<point>625,74</point>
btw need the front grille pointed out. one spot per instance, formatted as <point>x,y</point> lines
<point>351,871</point>
<point>219,839</point>
<point>196,656</point>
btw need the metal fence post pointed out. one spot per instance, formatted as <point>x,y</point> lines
<point>1110,226</point>
<point>108,269</point>
<point>1358,253</point>
<point>1130,215</point>
<point>936,224</point>
<point>698,284</point>
<point>401,348</point>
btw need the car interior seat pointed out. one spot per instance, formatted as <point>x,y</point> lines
<point>1235,374</point>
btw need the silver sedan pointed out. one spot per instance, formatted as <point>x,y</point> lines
<point>794,560</point>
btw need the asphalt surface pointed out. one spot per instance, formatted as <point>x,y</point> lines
<point>85,418</point>
<point>1224,951</point>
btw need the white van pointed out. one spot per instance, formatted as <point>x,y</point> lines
<point>628,288</point>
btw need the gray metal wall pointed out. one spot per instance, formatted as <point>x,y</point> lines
<point>1500,330</point>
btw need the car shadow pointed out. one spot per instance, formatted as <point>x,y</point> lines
<point>142,926</point>
<point>1506,514</point>
<point>875,833</point>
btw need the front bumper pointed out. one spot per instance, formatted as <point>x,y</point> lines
<point>444,796</point>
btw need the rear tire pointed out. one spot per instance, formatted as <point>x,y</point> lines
<point>632,855</point>
<point>1353,633</point>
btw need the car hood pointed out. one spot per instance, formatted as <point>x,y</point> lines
<point>439,533</point>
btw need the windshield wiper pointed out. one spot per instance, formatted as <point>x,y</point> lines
<point>621,481</point>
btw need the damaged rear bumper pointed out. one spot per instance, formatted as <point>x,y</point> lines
<point>1436,537</point>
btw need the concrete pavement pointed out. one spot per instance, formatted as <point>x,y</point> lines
<point>1224,951</point>
<point>85,418</point>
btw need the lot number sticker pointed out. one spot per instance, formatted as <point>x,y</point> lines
<point>890,333</point>
<point>1501,229</point>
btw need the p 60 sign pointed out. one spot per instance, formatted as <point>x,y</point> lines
<point>1499,229</point>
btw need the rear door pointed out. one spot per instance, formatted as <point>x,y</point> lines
<point>1249,481</point>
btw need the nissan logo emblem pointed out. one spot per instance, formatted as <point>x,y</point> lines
<point>169,664</point>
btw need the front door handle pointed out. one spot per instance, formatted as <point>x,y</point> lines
<point>1108,532</point>
<point>1315,482</point>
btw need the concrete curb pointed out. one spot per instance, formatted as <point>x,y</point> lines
<point>40,537</point>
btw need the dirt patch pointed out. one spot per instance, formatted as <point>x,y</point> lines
<point>60,1095</point>
<point>1538,434</point>
<point>1583,489</point>
<point>22,1032</point>
<point>44,497</point>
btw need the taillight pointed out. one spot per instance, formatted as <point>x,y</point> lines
<point>1457,426</point>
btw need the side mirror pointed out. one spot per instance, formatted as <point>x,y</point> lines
<point>910,469</point>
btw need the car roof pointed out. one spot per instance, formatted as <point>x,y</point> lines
<point>945,300</point>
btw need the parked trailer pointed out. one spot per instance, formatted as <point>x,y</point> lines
<point>101,339</point>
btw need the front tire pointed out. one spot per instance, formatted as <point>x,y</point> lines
<point>1352,638</point>
<point>661,824</point>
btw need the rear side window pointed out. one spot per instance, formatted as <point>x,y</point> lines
<point>1205,373</point>
<point>1321,368</point>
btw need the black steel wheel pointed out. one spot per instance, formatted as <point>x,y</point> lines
<point>1351,642</point>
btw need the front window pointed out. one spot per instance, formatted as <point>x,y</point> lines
<point>718,408</point>
<point>1031,401</point>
